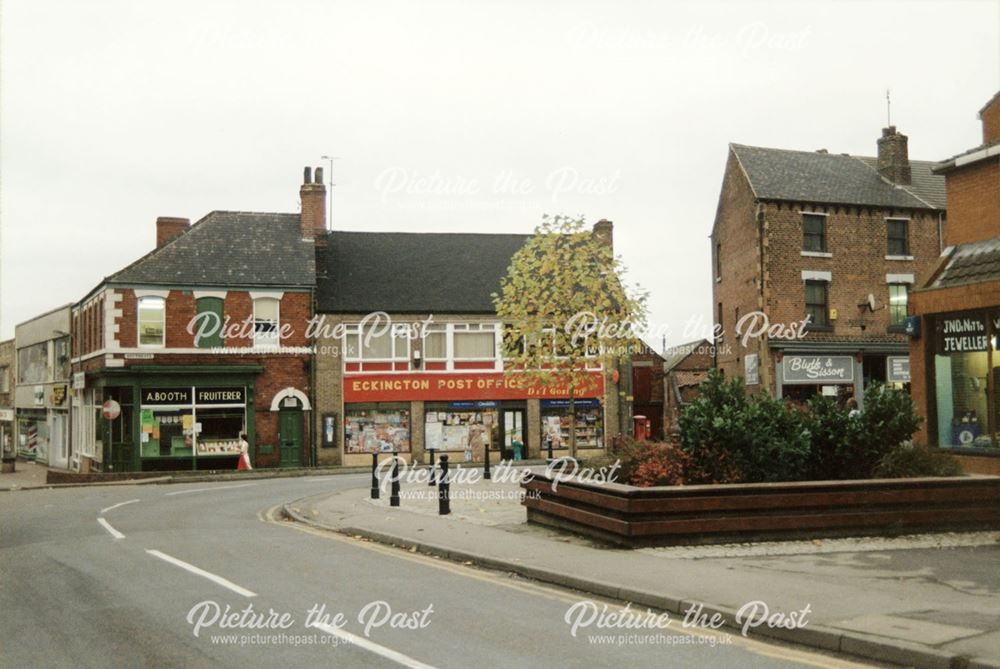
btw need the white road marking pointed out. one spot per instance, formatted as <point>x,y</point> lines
<point>112,531</point>
<point>218,487</point>
<point>225,583</point>
<point>371,646</point>
<point>115,506</point>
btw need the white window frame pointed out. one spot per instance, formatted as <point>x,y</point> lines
<point>436,328</point>
<point>138,321</point>
<point>272,341</point>
<point>354,330</point>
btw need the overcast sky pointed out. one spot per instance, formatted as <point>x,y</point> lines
<point>449,116</point>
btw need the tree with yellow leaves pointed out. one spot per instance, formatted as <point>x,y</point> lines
<point>567,315</point>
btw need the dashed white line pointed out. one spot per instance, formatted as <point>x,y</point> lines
<point>388,653</point>
<point>112,531</point>
<point>115,506</point>
<point>225,583</point>
<point>218,487</point>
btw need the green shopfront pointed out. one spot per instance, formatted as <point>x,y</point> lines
<point>175,419</point>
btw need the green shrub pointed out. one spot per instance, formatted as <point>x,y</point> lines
<point>732,437</point>
<point>909,460</point>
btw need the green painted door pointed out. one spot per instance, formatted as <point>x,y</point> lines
<point>290,437</point>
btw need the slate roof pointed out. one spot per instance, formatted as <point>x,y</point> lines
<point>675,355</point>
<point>229,248</point>
<point>359,272</point>
<point>829,178</point>
<point>976,262</point>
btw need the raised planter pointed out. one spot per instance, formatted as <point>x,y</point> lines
<point>633,516</point>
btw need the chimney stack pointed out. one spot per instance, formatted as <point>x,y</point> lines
<point>990,116</point>
<point>313,196</point>
<point>168,227</point>
<point>893,156</point>
<point>604,233</point>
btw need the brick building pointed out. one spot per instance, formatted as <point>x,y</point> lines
<point>148,338</point>
<point>648,388</point>
<point>7,428</point>
<point>441,386</point>
<point>839,239</point>
<point>685,367</point>
<point>956,311</point>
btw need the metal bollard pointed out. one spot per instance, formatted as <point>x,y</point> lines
<point>430,475</point>
<point>444,488</point>
<point>374,476</point>
<point>486,462</point>
<point>550,450</point>
<point>394,495</point>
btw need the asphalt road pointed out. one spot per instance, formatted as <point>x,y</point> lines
<point>141,576</point>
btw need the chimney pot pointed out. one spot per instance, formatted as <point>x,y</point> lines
<point>168,227</point>
<point>604,233</point>
<point>307,175</point>
<point>319,175</point>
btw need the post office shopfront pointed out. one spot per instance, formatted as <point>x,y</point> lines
<point>460,414</point>
<point>169,422</point>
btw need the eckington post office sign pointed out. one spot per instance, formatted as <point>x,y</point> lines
<point>818,369</point>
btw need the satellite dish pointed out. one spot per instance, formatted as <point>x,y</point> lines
<point>871,302</point>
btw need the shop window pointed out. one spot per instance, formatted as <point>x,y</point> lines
<point>817,304</point>
<point>814,233</point>
<point>961,372</point>
<point>898,237</point>
<point>152,316</point>
<point>265,322</point>
<point>377,428</point>
<point>468,427</point>
<point>898,298</point>
<point>210,313</point>
<point>32,363</point>
<point>589,423</point>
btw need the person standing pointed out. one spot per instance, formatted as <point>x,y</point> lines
<point>244,462</point>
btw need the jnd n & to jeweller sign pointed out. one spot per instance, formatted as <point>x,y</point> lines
<point>480,386</point>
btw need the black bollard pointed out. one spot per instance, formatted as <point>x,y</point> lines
<point>486,462</point>
<point>430,475</point>
<point>374,476</point>
<point>394,495</point>
<point>549,441</point>
<point>444,488</point>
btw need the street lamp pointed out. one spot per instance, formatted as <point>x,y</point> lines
<point>329,213</point>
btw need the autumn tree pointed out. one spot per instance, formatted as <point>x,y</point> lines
<point>568,317</point>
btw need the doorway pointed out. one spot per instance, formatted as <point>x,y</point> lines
<point>290,437</point>
<point>513,422</point>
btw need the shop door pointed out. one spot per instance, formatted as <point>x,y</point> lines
<point>58,443</point>
<point>513,430</point>
<point>290,437</point>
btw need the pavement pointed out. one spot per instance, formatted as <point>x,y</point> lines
<point>922,601</point>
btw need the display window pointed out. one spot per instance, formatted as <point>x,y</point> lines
<point>191,421</point>
<point>589,423</point>
<point>467,427</point>
<point>377,428</point>
<point>964,346</point>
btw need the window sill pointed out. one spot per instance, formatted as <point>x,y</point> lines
<point>899,257</point>
<point>816,254</point>
<point>818,328</point>
<point>718,279</point>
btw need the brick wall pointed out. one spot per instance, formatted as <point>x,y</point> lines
<point>7,364</point>
<point>736,234</point>
<point>973,201</point>
<point>990,116</point>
